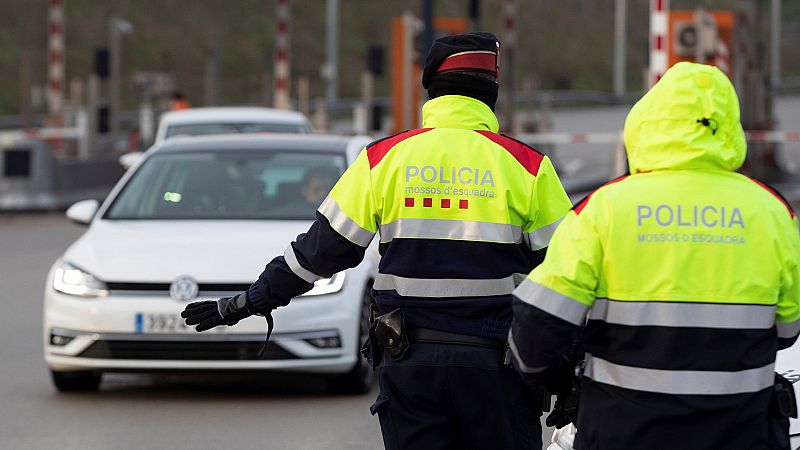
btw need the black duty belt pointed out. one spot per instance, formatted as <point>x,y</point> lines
<point>442,337</point>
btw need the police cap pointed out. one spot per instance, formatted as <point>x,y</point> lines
<point>471,53</point>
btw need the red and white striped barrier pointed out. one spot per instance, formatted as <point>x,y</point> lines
<point>659,33</point>
<point>281,90</point>
<point>753,137</point>
<point>55,57</point>
<point>9,138</point>
<point>758,137</point>
<point>509,15</point>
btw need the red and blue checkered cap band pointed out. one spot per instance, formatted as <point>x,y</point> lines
<point>473,61</point>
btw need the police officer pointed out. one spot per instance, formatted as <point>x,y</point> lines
<point>463,214</point>
<point>683,279</point>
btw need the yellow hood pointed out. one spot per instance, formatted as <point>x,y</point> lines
<point>664,130</point>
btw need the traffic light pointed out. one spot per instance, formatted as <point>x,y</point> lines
<point>103,119</point>
<point>377,117</point>
<point>102,68</point>
<point>375,60</point>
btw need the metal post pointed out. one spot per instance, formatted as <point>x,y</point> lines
<point>427,30</point>
<point>116,27</point>
<point>210,81</point>
<point>75,100</point>
<point>474,14</point>
<point>92,102</point>
<point>282,100</point>
<point>775,43</point>
<point>146,122</point>
<point>113,81</point>
<point>267,84</point>
<point>367,98</point>
<point>320,116</point>
<point>304,95</point>
<point>25,78</point>
<point>507,49</point>
<point>409,29</point>
<point>332,51</point>
<point>620,22</point>
<point>55,59</point>
<point>82,124</point>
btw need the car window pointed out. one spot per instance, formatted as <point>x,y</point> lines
<point>197,129</point>
<point>229,184</point>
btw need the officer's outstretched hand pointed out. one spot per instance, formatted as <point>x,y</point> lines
<point>209,314</point>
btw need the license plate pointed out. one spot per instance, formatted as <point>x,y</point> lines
<point>161,323</point>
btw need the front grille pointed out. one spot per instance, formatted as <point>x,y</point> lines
<point>204,287</point>
<point>115,286</point>
<point>185,350</point>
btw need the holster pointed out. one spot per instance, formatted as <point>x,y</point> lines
<point>390,334</point>
<point>387,333</point>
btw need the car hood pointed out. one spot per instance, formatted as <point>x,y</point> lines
<point>159,251</point>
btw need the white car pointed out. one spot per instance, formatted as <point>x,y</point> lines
<point>230,120</point>
<point>197,219</point>
<point>788,365</point>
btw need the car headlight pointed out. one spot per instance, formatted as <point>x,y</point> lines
<point>327,285</point>
<point>71,280</point>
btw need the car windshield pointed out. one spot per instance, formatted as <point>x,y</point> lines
<point>229,184</point>
<point>197,129</point>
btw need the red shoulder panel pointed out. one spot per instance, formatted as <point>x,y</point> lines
<point>582,204</point>
<point>527,156</point>
<point>378,149</point>
<point>776,194</point>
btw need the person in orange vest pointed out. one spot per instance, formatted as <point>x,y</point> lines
<point>179,102</point>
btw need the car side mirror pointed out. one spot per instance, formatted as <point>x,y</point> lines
<point>83,211</point>
<point>128,160</point>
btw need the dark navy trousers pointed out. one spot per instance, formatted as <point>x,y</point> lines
<point>445,396</point>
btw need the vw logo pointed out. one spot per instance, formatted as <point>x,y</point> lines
<point>183,289</point>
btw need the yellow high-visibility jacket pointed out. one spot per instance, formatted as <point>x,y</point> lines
<point>463,215</point>
<point>683,279</point>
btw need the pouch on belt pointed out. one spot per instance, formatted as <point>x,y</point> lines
<point>390,334</point>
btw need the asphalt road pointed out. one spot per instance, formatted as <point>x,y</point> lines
<point>139,411</point>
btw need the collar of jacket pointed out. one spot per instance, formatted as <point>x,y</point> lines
<point>457,111</point>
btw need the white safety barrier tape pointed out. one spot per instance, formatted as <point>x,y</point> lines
<point>9,137</point>
<point>753,136</point>
<point>569,138</point>
<point>756,136</point>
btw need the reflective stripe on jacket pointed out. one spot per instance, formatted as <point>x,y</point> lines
<point>682,278</point>
<point>463,214</point>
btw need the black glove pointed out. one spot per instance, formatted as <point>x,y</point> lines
<point>565,410</point>
<point>209,314</point>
